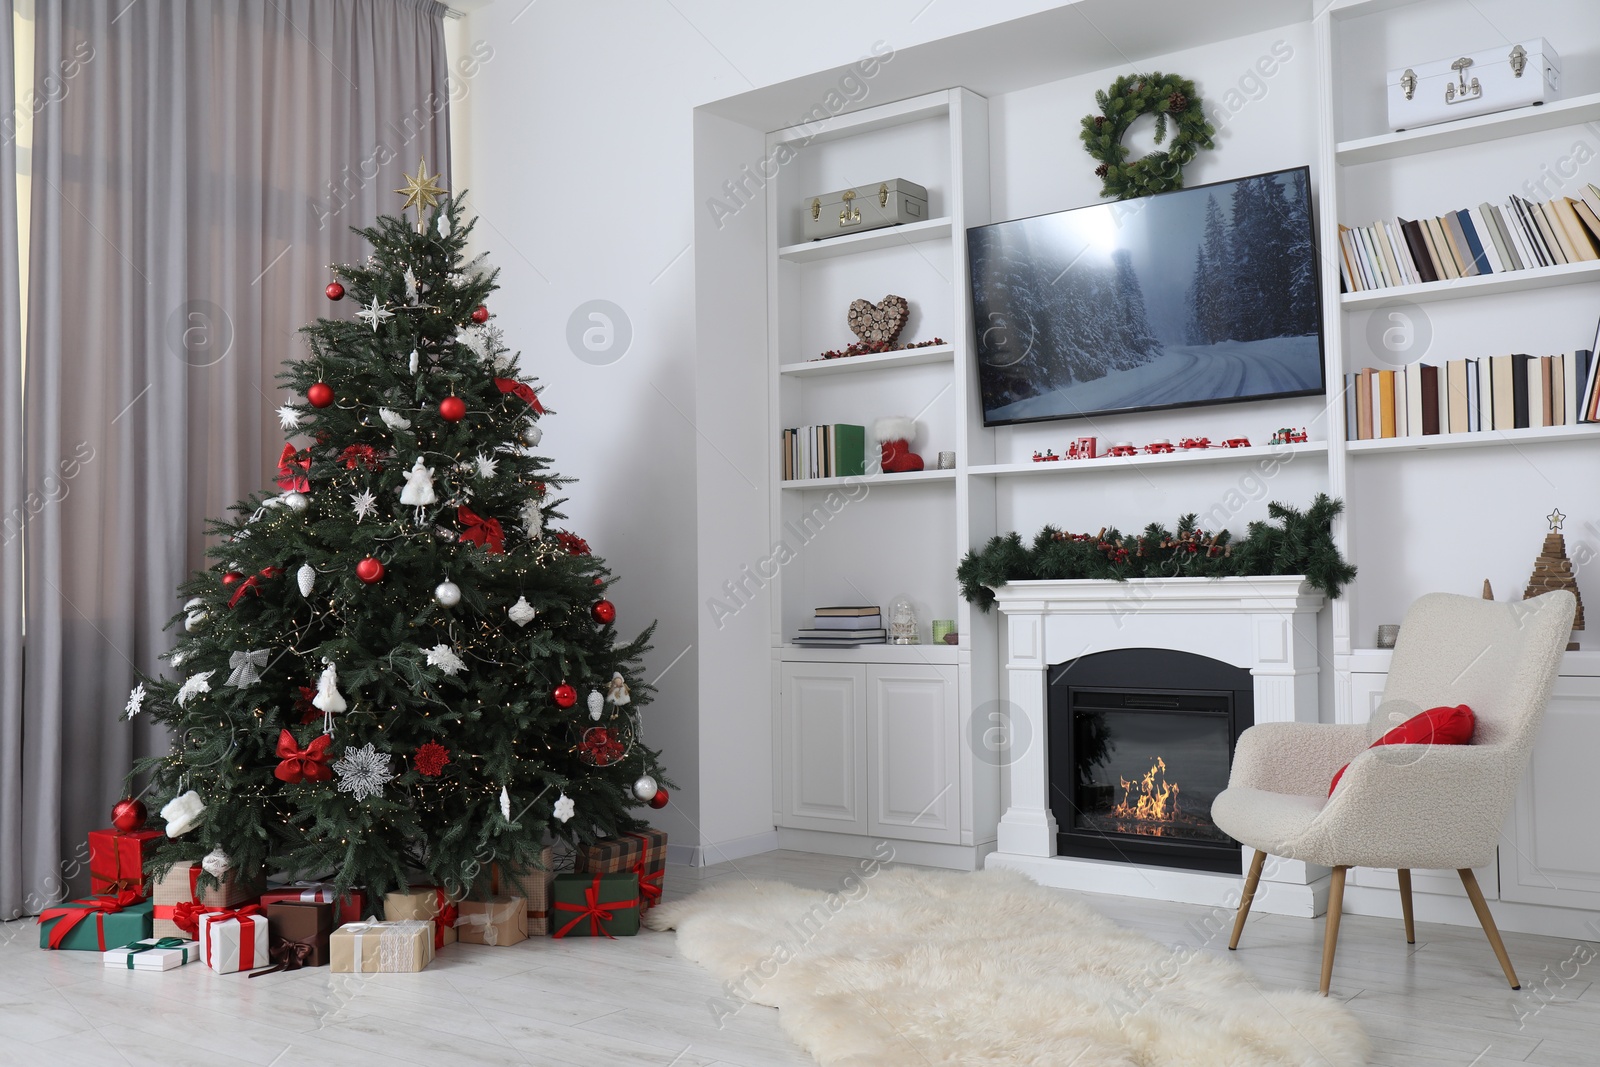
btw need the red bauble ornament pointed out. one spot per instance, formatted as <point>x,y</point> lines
<point>230,578</point>
<point>128,814</point>
<point>564,695</point>
<point>480,314</point>
<point>660,799</point>
<point>320,395</point>
<point>335,291</point>
<point>369,570</point>
<point>604,612</point>
<point>452,409</point>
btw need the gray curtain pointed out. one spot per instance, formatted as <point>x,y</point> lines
<point>198,168</point>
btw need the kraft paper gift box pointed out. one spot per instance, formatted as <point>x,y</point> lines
<point>350,908</point>
<point>500,920</point>
<point>179,900</point>
<point>234,940</point>
<point>595,905</point>
<point>94,924</point>
<point>642,852</point>
<point>298,933</point>
<point>533,886</point>
<point>153,954</point>
<point>429,902</point>
<point>116,859</point>
<point>381,947</point>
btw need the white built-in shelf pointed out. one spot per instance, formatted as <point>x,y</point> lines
<point>1584,663</point>
<point>1104,463</point>
<point>871,654</point>
<point>1553,116</point>
<point>873,480</point>
<point>887,237</point>
<point>1531,436</point>
<point>1461,288</point>
<point>909,357</point>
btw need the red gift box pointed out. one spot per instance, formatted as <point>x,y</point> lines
<point>116,860</point>
<point>350,908</point>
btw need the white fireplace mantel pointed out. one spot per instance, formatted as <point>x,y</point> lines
<point>1267,625</point>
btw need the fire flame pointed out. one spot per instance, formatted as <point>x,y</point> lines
<point>1156,799</point>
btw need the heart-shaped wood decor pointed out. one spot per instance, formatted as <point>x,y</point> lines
<point>880,323</point>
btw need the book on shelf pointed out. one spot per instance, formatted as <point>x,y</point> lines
<point>848,610</point>
<point>1506,392</point>
<point>836,450</point>
<point>841,636</point>
<point>847,622</point>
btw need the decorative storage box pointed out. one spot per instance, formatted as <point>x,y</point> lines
<point>500,920</point>
<point>381,948</point>
<point>533,886</point>
<point>95,924</point>
<point>350,908</point>
<point>298,932</point>
<point>642,853</point>
<point>153,954</point>
<point>596,905</point>
<point>234,940</point>
<point>866,207</point>
<point>1496,79</point>
<point>116,859</point>
<point>425,902</point>
<point>179,901</point>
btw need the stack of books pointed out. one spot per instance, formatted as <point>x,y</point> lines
<point>844,627</point>
<point>836,451</point>
<point>1514,234</point>
<point>1468,395</point>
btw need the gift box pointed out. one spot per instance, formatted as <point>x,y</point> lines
<point>643,853</point>
<point>425,902</point>
<point>234,939</point>
<point>499,920</point>
<point>94,924</point>
<point>116,860</point>
<point>153,954</point>
<point>350,908</point>
<point>179,900</point>
<point>381,948</point>
<point>533,886</point>
<point>297,934</point>
<point>595,905</point>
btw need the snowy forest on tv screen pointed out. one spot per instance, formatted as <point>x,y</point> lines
<point>1195,296</point>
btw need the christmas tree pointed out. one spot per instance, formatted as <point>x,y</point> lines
<point>395,663</point>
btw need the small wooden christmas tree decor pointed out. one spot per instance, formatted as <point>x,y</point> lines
<point>1553,570</point>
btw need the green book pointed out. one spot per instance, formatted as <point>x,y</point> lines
<point>849,450</point>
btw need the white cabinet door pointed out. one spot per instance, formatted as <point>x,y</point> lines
<point>1556,858</point>
<point>824,735</point>
<point>913,762</point>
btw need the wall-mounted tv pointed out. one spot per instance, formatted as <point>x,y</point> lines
<point>1198,296</point>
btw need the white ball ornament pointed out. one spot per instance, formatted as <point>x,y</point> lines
<point>297,501</point>
<point>644,787</point>
<point>447,593</point>
<point>597,704</point>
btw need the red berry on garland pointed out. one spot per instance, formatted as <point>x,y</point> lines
<point>660,799</point>
<point>452,409</point>
<point>369,570</point>
<point>480,314</point>
<point>335,291</point>
<point>320,395</point>
<point>128,814</point>
<point>430,759</point>
<point>564,695</point>
<point>604,612</point>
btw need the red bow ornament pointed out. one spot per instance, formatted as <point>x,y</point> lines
<point>479,531</point>
<point>309,764</point>
<point>360,456</point>
<point>253,583</point>
<point>291,480</point>
<point>516,388</point>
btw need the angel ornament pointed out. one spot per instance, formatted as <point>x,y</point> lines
<point>418,490</point>
<point>618,694</point>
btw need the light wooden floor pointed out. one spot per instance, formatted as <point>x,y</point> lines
<point>582,1001</point>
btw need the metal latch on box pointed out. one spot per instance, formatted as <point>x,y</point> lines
<point>1468,90</point>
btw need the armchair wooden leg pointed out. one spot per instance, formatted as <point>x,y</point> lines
<point>1405,906</point>
<point>1330,937</point>
<point>1470,881</point>
<point>1251,880</point>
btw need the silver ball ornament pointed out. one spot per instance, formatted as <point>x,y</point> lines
<point>297,501</point>
<point>644,787</point>
<point>447,593</point>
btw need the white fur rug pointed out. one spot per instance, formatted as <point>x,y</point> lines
<point>928,968</point>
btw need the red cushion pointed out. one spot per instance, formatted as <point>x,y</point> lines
<point>1436,726</point>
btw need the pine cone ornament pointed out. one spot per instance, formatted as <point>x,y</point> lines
<point>1102,170</point>
<point>1099,121</point>
<point>1177,103</point>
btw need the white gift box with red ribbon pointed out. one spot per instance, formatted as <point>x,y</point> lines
<point>233,940</point>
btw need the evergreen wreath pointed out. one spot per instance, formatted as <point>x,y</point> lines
<point>1130,96</point>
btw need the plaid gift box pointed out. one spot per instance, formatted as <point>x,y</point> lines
<point>533,886</point>
<point>179,901</point>
<point>348,909</point>
<point>95,923</point>
<point>428,902</point>
<point>116,860</point>
<point>643,853</point>
<point>595,905</point>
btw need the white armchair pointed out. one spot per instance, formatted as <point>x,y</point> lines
<point>1431,807</point>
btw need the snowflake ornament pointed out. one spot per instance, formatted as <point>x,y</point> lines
<point>444,657</point>
<point>135,701</point>
<point>195,685</point>
<point>374,314</point>
<point>486,466</point>
<point>411,286</point>
<point>393,419</point>
<point>363,772</point>
<point>289,417</point>
<point>364,503</point>
<point>564,808</point>
<point>475,338</point>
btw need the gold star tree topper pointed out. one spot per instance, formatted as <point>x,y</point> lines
<point>420,190</point>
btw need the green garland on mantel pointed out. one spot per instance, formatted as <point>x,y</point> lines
<point>1167,97</point>
<point>1295,543</point>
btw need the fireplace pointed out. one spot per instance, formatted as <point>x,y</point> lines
<point>1140,742</point>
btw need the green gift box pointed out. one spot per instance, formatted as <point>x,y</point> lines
<point>94,924</point>
<point>595,905</point>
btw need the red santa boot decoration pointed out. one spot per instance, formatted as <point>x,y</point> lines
<point>894,434</point>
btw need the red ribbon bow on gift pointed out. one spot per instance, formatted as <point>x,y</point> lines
<point>309,764</point>
<point>516,388</point>
<point>360,456</point>
<point>649,884</point>
<point>185,916</point>
<point>445,914</point>
<point>592,910</point>
<point>289,479</point>
<point>253,583</point>
<point>74,912</point>
<point>480,531</point>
